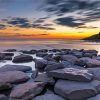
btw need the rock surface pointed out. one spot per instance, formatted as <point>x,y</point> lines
<point>15,68</point>
<point>97,97</point>
<point>22,59</point>
<point>26,91</point>
<point>13,77</point>
<point>48,97</point>
<point>76,90</point>
<point>72,74</point>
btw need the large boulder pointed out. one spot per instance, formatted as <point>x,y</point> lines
<point>40,63</point>
<point>72,74</point>
<point>48,97</point>
<point>5,86</point>
<point>90,63</point>
<point>76,90</point>
<point>70,58</point>
<point>95,72</point>
<point>3,97</point>
<point>53,66</point>
<point>26,91</point>
<point>44,78</point>
<point>13,77</point>
<point>9,67</point>
<point>97,97</point>
<point>22,59</point>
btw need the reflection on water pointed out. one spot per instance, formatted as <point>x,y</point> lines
<point>49,44</point>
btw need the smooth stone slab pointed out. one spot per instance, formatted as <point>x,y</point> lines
<point>13,77</point>
<point>26,91</point>
<point>72,74</point>
<point>77,90</point>
<point>48,97</point>
<point>9,67</point>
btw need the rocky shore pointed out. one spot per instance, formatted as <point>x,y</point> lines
<point>60,74</point>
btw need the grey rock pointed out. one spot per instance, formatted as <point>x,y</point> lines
<point>48,97</point>
<point>76,90</point>
<point>13,77</point>
<point>72,74</point>
<point>9,67</point>
<point>26,91</point>
<point>22,59</point>
<point>97,97</point>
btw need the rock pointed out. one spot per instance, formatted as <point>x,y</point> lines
<point>77,54</point>
<point>13,77</point>
<point>41,54</point>
<point>40,63</point>
<point>45,79</point>
<point>10,50</point>
<point>2,56</point>
<point>70,58</point>
<point>97,97</point>
<point>15,68</point>
<point>22,59</point>
<point>76,90</point>
<point>26,91</point>
<point>72,74</point>
<point>90,51</point>
<point>5,86</point>
<point>43,50</point>
<point>90,63</point>
<point>55,50</point>
<point>48,97</point>
<point>34,74</point>
<point>95,72</point>
<point>3,97</point>
<point>57,58</point>
<point>53,66</point>
<point>48,57</point>
<point>8,54</point>
<point>7,58</point>
<point>28,52</point>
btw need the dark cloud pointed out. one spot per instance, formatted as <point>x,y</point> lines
<point>2,26</point>
<point>20,22</point>
<point>68,21</point>
<point>81,10</point>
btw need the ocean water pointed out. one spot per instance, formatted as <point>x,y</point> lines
<point>48,44</point>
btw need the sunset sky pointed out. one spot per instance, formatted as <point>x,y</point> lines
<point>27,19</point>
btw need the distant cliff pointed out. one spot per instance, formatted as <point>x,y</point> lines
<point>95,37</point>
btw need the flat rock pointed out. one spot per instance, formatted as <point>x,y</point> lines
<point>3,97</point>
<point>40,63</point>
<point>26,91</point>
<point>9,67</point>
<point>76,90</point>
<point>90,63</point>
<point>13,77</point>
<point>72,74</point>
<point>70,58</point>
<point>48,97</point>
<point>22,59</point>
<point>53,66</point>
<point>44,78</point>
<point>97,97</point>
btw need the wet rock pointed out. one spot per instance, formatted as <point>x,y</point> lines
<point>28,52</point>
<point>2,56</point>
<point>26,91</point>
<point>3,97</point>
<point>5,86</point>
<point>72,74</point>
<point>43,50</point>
<point>48,97</point>
<point>40,63</point>
<point>57,58</point>
<point>41,54</point>
<point>76,90</point>
<point>45,79</point>
<point>91,63</point>
<point>53,66</point>
<point>55,50</point>
<point>7,58</point>
<point>13,77</point>
<point>15,68</point>
<point>97,97</point>
<point>22,59</point>
<point>34,74</point>
<point>70,58</point>
<point>49,57</point>
<point>10,50</point>
<point>8,54</point>
<point>95,72</point>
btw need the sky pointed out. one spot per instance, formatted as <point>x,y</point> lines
<point>29,19</point>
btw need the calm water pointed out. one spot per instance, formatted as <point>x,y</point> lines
<point>49,44</point>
